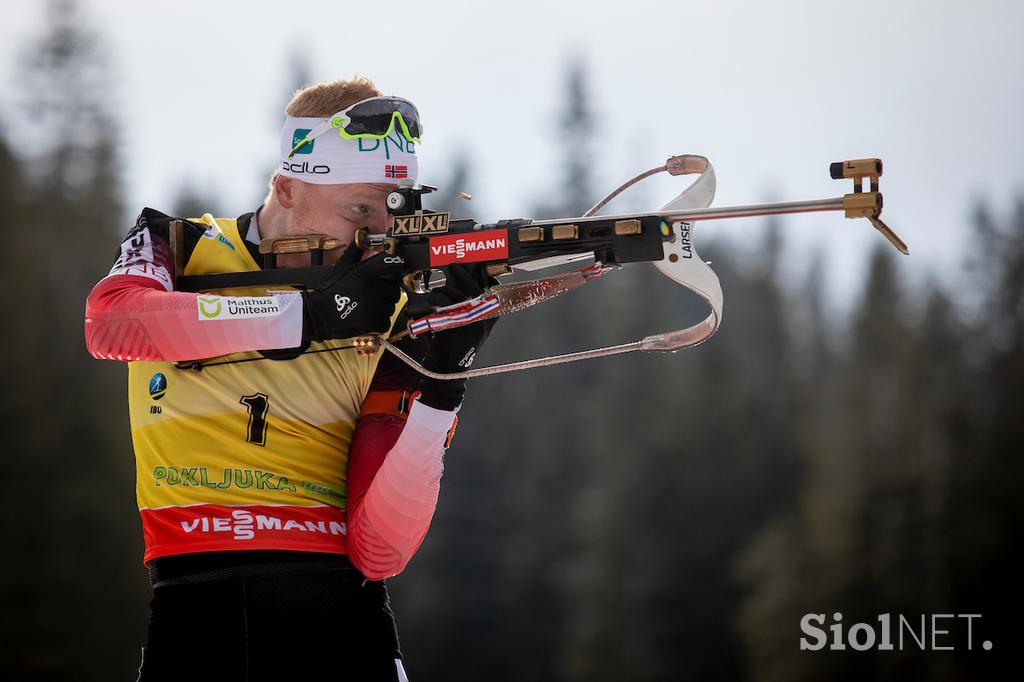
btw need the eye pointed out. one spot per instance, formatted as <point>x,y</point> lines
<point>361,209</point>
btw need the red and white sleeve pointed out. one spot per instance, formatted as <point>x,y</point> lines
<point>394,478</point>
<point>134,314</point>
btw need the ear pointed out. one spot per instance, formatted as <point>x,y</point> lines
<point>285,191</point>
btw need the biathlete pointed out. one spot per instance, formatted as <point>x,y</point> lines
<point>281,475</point>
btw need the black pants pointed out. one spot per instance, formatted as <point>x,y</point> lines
<point>251,616</point>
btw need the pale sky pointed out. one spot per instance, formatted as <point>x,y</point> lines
<point>770,92</point>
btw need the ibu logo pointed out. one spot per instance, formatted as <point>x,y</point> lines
<point>157,386</point>
<point>298,136</point>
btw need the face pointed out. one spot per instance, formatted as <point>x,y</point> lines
<point>339,211</point>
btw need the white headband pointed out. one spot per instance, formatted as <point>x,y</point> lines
<point>330,159</point>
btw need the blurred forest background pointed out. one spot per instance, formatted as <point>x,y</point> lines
<point>642,518</point>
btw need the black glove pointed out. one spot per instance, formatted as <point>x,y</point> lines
<point>454,350</point>
<point>359,298</point>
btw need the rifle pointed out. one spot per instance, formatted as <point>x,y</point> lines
<point>426,242</point>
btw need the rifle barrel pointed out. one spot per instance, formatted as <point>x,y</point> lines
<point>752,210</point>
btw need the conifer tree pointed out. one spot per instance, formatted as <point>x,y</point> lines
<point>86,586</point>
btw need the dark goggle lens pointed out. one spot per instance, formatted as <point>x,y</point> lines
<point>374,117</point>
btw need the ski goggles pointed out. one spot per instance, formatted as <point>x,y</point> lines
<point>375,118</point>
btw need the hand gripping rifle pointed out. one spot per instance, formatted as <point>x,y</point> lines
<point>428,241</point>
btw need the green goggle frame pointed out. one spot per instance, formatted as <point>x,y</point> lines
<point>375,118</point>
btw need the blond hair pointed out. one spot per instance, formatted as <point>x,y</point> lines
<point>323,99</point>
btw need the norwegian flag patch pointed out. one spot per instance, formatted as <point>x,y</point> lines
<point>393,171</point>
